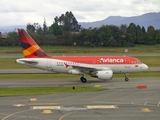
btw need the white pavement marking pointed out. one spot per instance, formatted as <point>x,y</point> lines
<point>74,108</point>
<point>19,105</point>
<point>145,103</point>
<point>101,106</point>
<point>158,103</point>
<point>45,107</point>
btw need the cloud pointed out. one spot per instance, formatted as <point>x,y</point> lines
<point>23,12</point>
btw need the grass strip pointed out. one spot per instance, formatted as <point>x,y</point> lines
<point>55,76</point>
<point>82,49</point>
<point>139,75</point>
<point>46,90</point>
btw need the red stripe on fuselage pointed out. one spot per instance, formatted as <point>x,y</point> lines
<point>98,59</point>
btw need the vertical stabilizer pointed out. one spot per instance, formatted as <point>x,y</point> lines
<point>30,48</point>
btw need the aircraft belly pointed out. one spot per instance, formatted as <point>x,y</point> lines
<point>60,69</point>
<point>124,68</point>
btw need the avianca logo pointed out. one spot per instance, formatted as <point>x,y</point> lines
<point>110,60</point>
<point>66,65</point>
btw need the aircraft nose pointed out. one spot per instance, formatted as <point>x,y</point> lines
<point>145,67</point>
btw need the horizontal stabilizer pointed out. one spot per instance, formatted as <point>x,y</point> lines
<point>23,61</point>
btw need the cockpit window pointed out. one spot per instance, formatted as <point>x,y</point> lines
<point>138,62</point>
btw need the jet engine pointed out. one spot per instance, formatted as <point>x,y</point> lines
<point>104,75</point>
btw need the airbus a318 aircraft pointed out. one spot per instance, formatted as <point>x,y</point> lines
<point>101,67</point>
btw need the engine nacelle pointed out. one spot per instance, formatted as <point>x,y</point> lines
<point>104,75</point>
<point>74,71</point>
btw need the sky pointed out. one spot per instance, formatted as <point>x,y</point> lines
<point>22,12</point>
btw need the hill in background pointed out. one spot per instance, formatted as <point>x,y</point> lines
<point>145,20</point>
<point>142,20</point>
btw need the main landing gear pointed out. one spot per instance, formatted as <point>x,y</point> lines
<point>126,77</point>
<point>83,79</point>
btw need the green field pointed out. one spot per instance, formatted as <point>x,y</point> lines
<point>55,76</point>
<point>46,90</point>
<point>151,61</point>
<point>84,50</point>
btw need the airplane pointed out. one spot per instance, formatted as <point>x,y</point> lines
<point>101,67</point>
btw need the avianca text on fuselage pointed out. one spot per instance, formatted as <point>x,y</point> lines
<point>111,60</point>
<point>101,67</point>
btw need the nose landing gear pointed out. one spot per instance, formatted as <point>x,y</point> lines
<point>126,77</point>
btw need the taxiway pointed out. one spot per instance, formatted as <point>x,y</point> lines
<point>121,101</point>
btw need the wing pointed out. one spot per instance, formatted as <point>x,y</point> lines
<point>89,69</point>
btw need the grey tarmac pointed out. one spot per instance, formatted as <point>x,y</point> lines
<point>122,101</point>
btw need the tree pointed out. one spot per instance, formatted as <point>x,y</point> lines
<point>116,32</point>
<point>140,35</point>
<point>123,28</point>
<point>38,28</point>
<point>12,39</point>
<point>89,38</point>
<point>157,36</point>
<point>150,36</point>
<point>45,28</point>
<point>68,22</point>
<point>56,20</point>
<point>112,42</point>
<point>55,29</point>
<point>30,28</point>
<point>131,34</point>
<point>103,35</point>
<point>143,30</point>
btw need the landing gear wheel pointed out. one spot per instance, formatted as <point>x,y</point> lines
<point>83,80</point>
<point>126,79</point>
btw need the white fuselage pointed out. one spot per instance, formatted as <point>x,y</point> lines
<point>56,65</point>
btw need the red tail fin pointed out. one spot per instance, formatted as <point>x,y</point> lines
<point>30,48</point>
